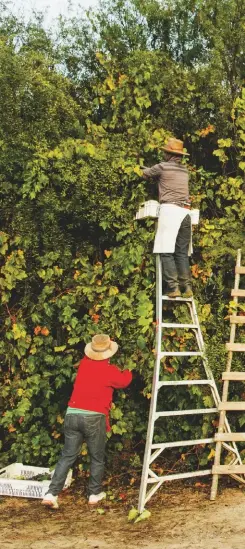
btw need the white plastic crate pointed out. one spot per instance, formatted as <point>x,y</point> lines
<point>12,486</point>
<point>148,209</point>
<point>151,208</point>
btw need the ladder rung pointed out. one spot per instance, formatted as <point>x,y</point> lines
<point>240,270</point>
<point>173,325</point>
<point>177,476</point>
<point>166,298</point>
<point>237,319</point>
<point>228,469</point>
<point>186,412</point>
<point>235,347</point>
<point>238,293</point>
<point>186,382</point>
<point>182,443</point>
<point>232,406</point>
<point>181,353</point>
<point>233,376</point>
<point>229,437</point>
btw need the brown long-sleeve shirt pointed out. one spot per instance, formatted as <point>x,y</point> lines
<point>172,181</point>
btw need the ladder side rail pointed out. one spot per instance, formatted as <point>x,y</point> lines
<point>201,345</point>
<point>223,417</point>
<point>209,373</point>
<point>154,392</point>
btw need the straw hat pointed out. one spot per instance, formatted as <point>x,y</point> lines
<point>101,347</point>
<point>175,146</point>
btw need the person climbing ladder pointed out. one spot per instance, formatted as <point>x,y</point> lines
<point>173,236</point>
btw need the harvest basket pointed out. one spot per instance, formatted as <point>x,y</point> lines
<point>12,485</point>
<point>148,209</point>
<point>151,208</point>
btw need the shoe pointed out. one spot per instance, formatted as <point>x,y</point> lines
<point>187,292</point>
<point>50,501</point>
<point>95,498</point>
<point>173,293</point>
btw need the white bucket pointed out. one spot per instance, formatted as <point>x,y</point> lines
<point>194,216</point>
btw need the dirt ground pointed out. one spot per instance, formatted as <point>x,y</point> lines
<point>182,517</point>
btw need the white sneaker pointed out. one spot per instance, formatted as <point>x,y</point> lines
<point>95,498</point>
<point>50,501</point>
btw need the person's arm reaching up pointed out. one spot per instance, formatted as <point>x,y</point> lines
<point>118,379</point>
<point>154,171</point>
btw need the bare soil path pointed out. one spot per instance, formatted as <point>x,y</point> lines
<point>181,518</point>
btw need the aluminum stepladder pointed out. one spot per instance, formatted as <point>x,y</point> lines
<point>236,467</point>
<point>154,450</point>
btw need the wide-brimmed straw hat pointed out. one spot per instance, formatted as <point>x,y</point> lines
<point>101,347</point>
<point>175,146</point>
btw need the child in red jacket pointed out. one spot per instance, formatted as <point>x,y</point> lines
<point>87,416</point>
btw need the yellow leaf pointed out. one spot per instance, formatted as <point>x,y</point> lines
<point>206,309</point>
<point>211,454</point>
<point>90,149</point>
<point>144,516</point>
<point>33,351</point>
<point>107,253</point>
<point>113,290</point>
<point>110,83</point>
<point>133,513</point>
<point>76,275</point>
<point>84,450</point>
<point>18,331</point>
<point>59,349</point>
<point>20,392</point>
<point>138,170</point>
<point>60,419</point>
<point>122,78</point>
<point>55,434</point>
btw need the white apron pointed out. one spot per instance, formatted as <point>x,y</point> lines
<point>169,221</point>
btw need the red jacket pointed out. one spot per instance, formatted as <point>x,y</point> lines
<point>94,384</point>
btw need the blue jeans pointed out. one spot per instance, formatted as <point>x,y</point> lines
<point>175,267</point>
<point>79,428</point>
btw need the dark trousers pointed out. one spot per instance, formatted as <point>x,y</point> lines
<point>79,428</point>
<point>176,268</point>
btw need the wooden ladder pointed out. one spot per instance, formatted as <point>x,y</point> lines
<point>235,467</point>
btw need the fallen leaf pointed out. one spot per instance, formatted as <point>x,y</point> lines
<point>144,516</point>
<point>133,513</point>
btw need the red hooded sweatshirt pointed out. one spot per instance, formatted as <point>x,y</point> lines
<point>94,384</point>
